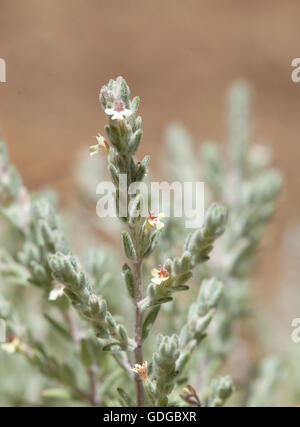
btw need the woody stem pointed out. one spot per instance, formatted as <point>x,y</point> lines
<point>138,352</point>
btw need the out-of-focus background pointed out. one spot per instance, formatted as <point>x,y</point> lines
<point>180,57</point>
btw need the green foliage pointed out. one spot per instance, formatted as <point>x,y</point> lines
<point>196,249</point>
<point>163,370</point>
<point>99,354</point>
<point>270,372</point>
<point>221,389</point>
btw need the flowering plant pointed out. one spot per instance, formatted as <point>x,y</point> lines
<point>87,334</point>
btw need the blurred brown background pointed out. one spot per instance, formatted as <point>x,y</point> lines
<point>179,56</point>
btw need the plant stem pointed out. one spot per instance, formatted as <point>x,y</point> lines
<point>75,332</point>
<point>138,352</point>
<point>91,371</point>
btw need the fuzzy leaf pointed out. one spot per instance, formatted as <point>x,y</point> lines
<point>128,246</point>
<point>149,321</point>
<point>127,399</point>
<point>129,280</point>
<point>114,346</point>
<point>58,327</point>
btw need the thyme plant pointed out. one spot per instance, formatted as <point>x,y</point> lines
<point>82,302</point>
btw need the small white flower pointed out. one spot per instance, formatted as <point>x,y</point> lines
<point>118,112</point>
<point>141,370</point>
<point>57,292</point>
<point>160,276</point>
<point>154,221</point>
<point>101,145</point>
<point>11,346</point>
